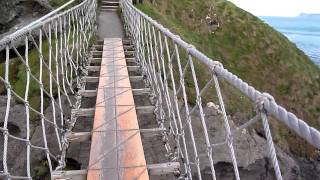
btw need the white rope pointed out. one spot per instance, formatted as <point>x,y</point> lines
<point>57,66</point>
<point>160,72</point>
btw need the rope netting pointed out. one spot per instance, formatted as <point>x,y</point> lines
<point>40,76</point>
<point>181,78</point>
<point>44,67</point>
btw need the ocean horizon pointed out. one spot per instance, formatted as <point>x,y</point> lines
<point>303,30</point>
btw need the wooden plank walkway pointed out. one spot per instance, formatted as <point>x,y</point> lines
<point>116,147</point>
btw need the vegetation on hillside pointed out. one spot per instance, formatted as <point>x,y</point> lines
<point>255,52</point>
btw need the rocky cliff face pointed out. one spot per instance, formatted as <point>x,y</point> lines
<point>14,14</point>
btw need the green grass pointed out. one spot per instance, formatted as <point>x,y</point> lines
<point>18,74</point>
<point>252,50</point>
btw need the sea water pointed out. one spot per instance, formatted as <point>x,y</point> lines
<point>303,30</point>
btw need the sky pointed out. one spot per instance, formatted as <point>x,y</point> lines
<point>279,7</point>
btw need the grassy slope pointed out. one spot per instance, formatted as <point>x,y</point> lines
<point>252,50</point>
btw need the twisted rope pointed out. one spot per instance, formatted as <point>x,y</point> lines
<point>299,126</point>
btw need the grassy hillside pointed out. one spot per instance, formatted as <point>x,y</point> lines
<point>255,52</point>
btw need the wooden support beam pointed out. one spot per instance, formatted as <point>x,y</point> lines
<point>133,68</point>
<point>95,60</point>
<point>84,112</point>
<point>138,92</point>
<point>70,175</point>
<point>110,2</point>
<point>78,136</point>
<point>93,93</point>
<point>93,68</point>
<point>163,168</point>
<point>136,78</point>
<point>129,53</point>
<point>129,47</point>
<point>145,109</point>
<point>90,79</point>
<point>131,60</point>
<point>88,93</point>
<point>126,41</point>
<point>151,132</point>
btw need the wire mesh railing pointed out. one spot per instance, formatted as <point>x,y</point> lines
<point>181,78</point>
<point>41,73</point>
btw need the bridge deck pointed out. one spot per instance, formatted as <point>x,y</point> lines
<point>117,151</point>
<point>109,25</point>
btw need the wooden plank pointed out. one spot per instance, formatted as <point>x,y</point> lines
<point>91,79</point>
<point>163,168</point>
<point>70,175</point>
<point>145,109</point>
<point>133,68</point>
<point>116,150</point>
<point>93,68</point>
<point>78,136</point>
<point>131,60</point>
<point>95,60</point>
<point>138,92</point>
<point>83,112</point>
<point>88,93</point>
<point>151,132</point>
<point>136,78</point>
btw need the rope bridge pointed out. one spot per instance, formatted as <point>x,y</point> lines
<point>58,45</point>
<point>61,41</point>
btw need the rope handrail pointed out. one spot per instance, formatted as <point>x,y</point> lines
<point>299,126</point>
<point>51,69</point>
<point>159,50</point>
<point>40,22</point>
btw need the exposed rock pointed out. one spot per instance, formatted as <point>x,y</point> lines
<point>15,14</point>
<point>251,151</point>
<point>17,151</point>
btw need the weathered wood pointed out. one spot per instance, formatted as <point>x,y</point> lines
<point>133,68</point>
<point>128,53</point>
<point>78,136</point>
<point>151,132</point>
<point>129,47</point>
<point>83,112</point>
<point>145,109</point>
<point>91,79</point>
<point>126,41</point>
<point>163,168</point>
<point>115,142</point>
<point>136,78</point>
<point>111,2</point>
<point>131,60</point>
<point>138,92</point>
<point>88,93</point>
<point>70,175</point>
<point>95,60</point>
<point>93,68</point>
